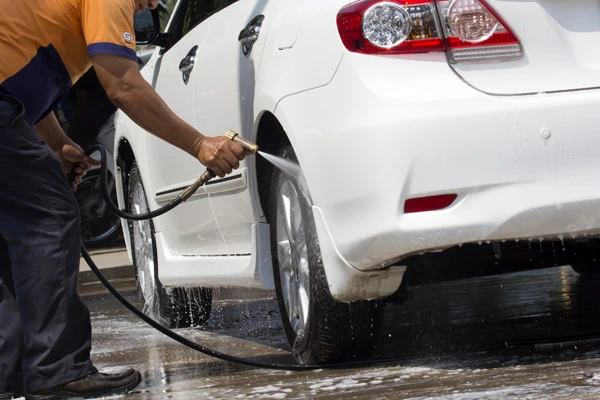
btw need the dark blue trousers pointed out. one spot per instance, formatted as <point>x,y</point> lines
<point>45,331</point>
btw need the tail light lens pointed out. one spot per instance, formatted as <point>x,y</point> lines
<point>470,30</point>
<point>390,27</point>
<point>475,32</point>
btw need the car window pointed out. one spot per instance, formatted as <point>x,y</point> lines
<point>198,10</point>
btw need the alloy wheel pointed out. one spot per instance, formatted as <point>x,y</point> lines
<point>143,251</point>
<point>292,253</point>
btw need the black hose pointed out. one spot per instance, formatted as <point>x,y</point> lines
<point>244,361</point>
<point>113,207</point>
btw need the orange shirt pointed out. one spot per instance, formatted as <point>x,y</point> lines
<point>46,45</point>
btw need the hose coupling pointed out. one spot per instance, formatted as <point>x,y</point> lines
<point>205,177</point>
<point>246,144</point>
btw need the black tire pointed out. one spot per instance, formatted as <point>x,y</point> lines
<point>320,330</point>
<point>589,269</point>
<point>172,307</point>
<point>99,226</point>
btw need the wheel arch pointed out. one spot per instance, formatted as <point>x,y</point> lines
<point>346,283</point>
<point>270,138</point>
<point>125,156</point>
<point>124,159</point>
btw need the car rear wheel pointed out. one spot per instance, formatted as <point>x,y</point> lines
<point>319,329</point>
<point>587,269</point>
<point>172,307</point>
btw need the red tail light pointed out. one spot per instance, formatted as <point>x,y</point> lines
<point>390,27</point>
<point>469,29</point>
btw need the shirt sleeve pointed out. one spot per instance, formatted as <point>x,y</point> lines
<point>108,27</point>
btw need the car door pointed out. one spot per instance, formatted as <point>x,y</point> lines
<point>191,228</point>
<point>229,64</point>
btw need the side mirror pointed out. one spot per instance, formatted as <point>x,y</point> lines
<point>146,25</point>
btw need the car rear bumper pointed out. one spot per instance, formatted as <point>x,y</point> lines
<point>387,129</point>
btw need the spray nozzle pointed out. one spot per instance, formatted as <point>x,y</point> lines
<point>246,144</point>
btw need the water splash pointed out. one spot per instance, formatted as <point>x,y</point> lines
<point>289,167</point>
<point>292,170</point>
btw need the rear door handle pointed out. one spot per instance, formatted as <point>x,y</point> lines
<point>250,33</point>
<point>187,64</point>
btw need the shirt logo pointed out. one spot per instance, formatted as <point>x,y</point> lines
<point>128,37</point>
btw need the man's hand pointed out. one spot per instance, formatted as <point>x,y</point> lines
<point>70,154</point>
<point>75,163</point>
<point>220,154</point>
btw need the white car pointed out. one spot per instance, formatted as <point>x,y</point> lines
<point>415,126</point>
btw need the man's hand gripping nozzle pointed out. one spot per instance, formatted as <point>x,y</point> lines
<point>208,174</point>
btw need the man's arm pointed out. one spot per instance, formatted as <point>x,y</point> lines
<point>72,157</point>
<point>49,130</point>
<point>128,90</point>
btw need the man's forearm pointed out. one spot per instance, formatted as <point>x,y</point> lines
<point>126,87</point>
<point>50,131</point>
<point>133,95</point>
<point>143,105</point>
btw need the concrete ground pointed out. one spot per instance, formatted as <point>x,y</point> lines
<point>527,335</point>
<point>107,258</point>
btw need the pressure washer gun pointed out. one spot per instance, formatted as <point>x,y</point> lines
<point>209,174</point>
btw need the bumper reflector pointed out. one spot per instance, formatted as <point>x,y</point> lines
<point>429,203</point>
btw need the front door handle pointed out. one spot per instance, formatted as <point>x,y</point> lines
<point>187,64</point>
<point>250,33</point>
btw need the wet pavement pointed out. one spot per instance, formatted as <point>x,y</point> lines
<point>527,335</point>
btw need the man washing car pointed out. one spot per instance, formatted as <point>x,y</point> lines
<point>45,332</point>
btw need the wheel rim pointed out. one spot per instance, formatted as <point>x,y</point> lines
<point>144,254</point>
<point>292,256</point>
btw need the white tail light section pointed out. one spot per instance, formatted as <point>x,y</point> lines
<point>386,24</point>
<point>469,30</point>
<point>475,32</point>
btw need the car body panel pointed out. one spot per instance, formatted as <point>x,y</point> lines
<point>211,100</point>
<point>231,270</point>
<point>225,101</point>
<point>191,227</point>
<point>347,283</point>
<point>560,42</point>
<point>446,138</point>
<point>238,210</point>
<point>371,132</point>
